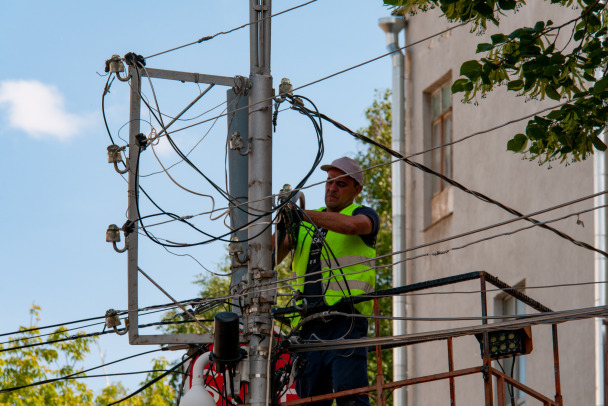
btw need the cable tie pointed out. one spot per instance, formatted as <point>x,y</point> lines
<point>132,59</point>
<point>142,140</point>
<point>128,227</point>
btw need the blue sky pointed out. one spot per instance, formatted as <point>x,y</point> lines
<point>59,193</point>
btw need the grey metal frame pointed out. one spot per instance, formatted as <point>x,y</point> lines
<point>132,239</point>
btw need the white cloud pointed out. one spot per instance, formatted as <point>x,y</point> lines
<point>39,110</point>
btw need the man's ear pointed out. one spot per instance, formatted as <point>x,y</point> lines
<point>358,189</point>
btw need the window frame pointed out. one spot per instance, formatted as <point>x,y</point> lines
<point>438,194</point>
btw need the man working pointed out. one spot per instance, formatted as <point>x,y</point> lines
<point>334,255</point>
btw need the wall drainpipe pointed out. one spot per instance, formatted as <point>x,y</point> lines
<point>600,181</point>
<point>392,26</point>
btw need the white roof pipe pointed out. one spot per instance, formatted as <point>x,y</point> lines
<point>197,395</point>
<point>392,26</point>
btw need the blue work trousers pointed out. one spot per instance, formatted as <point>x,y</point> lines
<point>336,370</point>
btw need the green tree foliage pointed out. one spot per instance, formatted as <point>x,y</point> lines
<point>546,61</point>
<point>25,366</point>
<point>377,194</point>
<point>158,394</point>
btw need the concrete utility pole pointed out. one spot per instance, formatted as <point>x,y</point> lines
<point>259,300</point>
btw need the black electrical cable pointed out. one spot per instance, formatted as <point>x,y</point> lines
<point>87,335</point>
<point>209,37</point>
<point>5,390</point>
<point>174,146</point>
<point>48,334</point>
<point>51,326</point>
<point>347,299</point>
<point>338,73</point>
<point>106,90</point>
<point>452,182</point>
<point>153,381</point>
<point>122,373</point>
<point>318,128</point>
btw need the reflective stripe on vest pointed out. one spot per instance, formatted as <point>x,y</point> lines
<point>348,267</point>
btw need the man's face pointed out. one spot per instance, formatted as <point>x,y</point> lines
<point>340,193</point>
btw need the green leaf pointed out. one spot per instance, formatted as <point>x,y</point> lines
<point>515,85</point>
<point>459,85</point>
<point>542,120</point>
<point>600,85</point>
<point>593,22</point>
<point>599,144</point>
<point>517,33</point>
<point>498,38</point>
<point>484,47</point>
<point>471,69</point>
<point>534,131</point>
<point>551,92</point>
<point>539,26</point>
<point>551,70</point>
<point>518,143</point>
<point>578,35</point>
<point>555,115</point>
<point>483,9</point>
<point>507,4</point>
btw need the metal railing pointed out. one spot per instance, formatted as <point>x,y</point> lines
<point>485,369</point>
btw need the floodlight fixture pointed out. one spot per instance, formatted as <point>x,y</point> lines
<point>507,343</point>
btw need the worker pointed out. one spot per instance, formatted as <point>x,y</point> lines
<point>339,240</point>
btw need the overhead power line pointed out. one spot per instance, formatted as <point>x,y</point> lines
<point>541,319</point>
<point>209,37</point>
<point>153,381</point>
<point>328,76</point>
<point>523,217</point>
<point>274,196</point>
<point>5,390</point>
<point>452,182</point>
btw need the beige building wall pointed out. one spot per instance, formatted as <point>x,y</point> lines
<point>530,258</point>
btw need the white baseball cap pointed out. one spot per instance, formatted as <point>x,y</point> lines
<point>346,165</point>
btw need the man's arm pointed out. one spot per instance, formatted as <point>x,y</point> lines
<point>341,223</point>
<point>283,248</point>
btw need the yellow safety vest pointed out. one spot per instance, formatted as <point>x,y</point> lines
<point>355,273</point>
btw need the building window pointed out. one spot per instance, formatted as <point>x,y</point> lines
<point>513,366</point>
<point>441,133</point>
<point>438,131</point>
